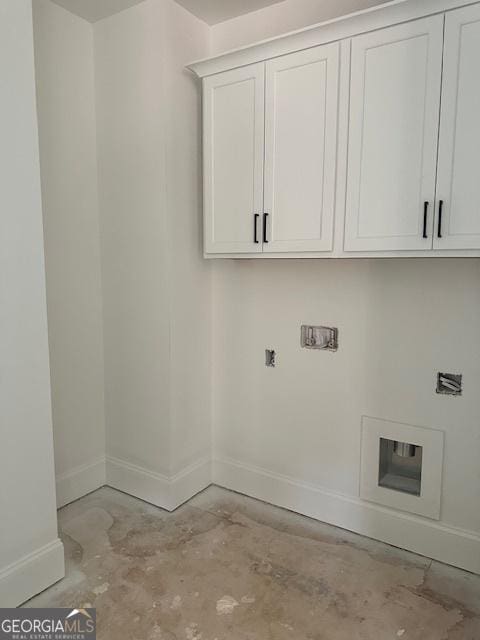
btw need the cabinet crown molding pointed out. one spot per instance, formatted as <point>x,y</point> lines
<point>378,17</point>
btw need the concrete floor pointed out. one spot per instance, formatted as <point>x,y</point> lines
<point>226,567</point>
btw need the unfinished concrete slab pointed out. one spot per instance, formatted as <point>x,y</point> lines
<point>227,567</point>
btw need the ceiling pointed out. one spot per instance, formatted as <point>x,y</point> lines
<point>214,11</point>
<point>94,10</point>
<point>211,11</point>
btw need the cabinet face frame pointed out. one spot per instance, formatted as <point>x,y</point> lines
<point>283,128</point>
<point>432,29</point>
<point>249,79</point>
<point>459,139</point>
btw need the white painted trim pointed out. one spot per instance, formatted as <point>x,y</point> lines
<point>428,538</point>
<point>79,481</point>
<point>377,17</point>
<point>139,482</point>
<point>158,489</point>
<point>32,574</point>
<point>428,503</point>
<point>190,481</point>
<point>339,254</point>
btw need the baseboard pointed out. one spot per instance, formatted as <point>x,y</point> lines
<point>190,481</point>
<point>422,536</point>
<point>79,481</point>
<point>158,489</point>
<point>32,574</point>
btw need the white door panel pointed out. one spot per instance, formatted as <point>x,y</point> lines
<point>458,183</point>
<point>300,149</point>
<point>233,159</point>
<point>394,112</point>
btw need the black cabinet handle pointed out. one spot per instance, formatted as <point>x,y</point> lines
<point>425,219</point>
<point>440,212</point>
<point>265,219</point>
<point>255,227</point>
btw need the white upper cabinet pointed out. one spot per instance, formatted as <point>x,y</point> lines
<point>392,150</point>
<point>359,137</point>
<point>233,160</point>
<point>458,183</point>
<point>300,150</point>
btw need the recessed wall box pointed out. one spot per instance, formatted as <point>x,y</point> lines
<point>449,384</point>
<point>325,338</point>
<point>400,466</point>
<point>391,476</point>
<point>270,357</point>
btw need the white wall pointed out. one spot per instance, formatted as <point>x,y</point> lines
<point>281,18</point>
<point>292,434</point>
<point>156,286</point>
<point>190,281</point>
<point>130,114</point>
<point>31,556</point>
<point>66,112</point>
<point>399,321</point>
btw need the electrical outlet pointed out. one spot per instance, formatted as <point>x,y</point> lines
<point>449,384</point>
<point>325,338</point>
<point>270,357</point>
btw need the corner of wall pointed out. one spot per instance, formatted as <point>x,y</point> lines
<point>166,492</point>
<point>64,62</point>
<point>168,458</point>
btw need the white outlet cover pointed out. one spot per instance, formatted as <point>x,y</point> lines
<point>431,440</point>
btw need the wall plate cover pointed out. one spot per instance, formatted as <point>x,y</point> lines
<point>325,338</point>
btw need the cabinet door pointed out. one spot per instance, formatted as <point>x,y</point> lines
<point>233,159</point>
<point>394,115</point>
<point>458,182</point>
<point>300,149</point>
